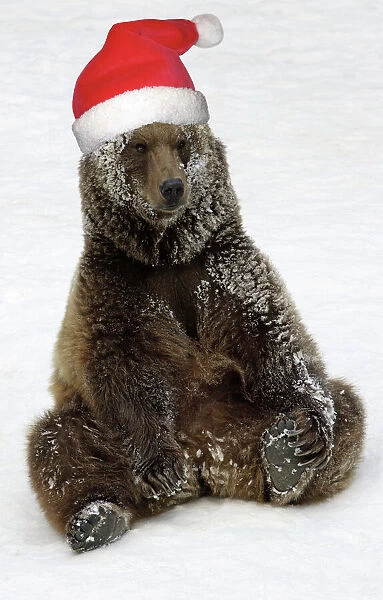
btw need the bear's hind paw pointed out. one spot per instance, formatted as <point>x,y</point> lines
<point>291,447</point>
<point>98,524</point>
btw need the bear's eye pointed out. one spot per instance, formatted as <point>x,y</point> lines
<point>181,144</point>
<point>141,148</point>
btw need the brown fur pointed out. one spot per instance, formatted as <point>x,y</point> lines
<point>179,346</point>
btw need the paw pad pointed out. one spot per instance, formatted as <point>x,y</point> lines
<point>98,524</point>
<point>282,461</point>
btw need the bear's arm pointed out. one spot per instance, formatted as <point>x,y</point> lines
<point>114,352</point>
<point>245,311</point>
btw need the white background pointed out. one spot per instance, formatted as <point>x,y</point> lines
<point>295,91</point>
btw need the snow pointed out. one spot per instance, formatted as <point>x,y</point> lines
<point>295,91</point>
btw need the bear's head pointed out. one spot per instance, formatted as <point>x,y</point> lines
<point>158,193</point>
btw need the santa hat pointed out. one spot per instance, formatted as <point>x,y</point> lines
<point>138,78</point>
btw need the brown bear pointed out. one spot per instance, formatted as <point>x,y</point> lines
<point>182,368</point>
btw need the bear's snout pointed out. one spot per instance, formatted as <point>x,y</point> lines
<point>172,191</point>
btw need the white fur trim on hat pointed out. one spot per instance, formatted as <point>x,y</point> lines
<point>132,109</point>
<point>210,30</point>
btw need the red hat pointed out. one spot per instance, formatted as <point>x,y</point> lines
<point>138,78</point>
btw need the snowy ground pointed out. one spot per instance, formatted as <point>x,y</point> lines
<point>296,92</point>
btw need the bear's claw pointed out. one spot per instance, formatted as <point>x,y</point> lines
<point>286,443</point>
<point>98,524</point>
<point>163,477</point>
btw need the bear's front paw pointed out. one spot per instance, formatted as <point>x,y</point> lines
<point>163,475</point>
<point>293,445</point>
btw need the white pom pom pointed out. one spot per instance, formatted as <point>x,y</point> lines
<point>210,30</point>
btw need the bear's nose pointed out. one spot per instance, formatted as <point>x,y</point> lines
<point>172,190</point>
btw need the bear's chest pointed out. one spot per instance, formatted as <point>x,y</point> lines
<point>175,286</point>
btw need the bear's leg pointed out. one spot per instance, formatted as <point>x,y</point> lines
<point>82,479</point>
<point>83,476</point>
<point>295,465</point>
<point>240,453</point>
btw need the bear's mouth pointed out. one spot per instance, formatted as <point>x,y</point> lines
<point>170,210</point>
<point>162,212</point>
<point>171,207</point>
